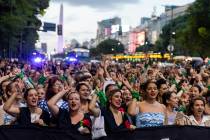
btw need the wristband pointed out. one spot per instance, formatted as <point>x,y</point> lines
<point>135,95</point>
<point>102,98</point>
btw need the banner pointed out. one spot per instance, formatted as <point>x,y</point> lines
<point>158,133</point>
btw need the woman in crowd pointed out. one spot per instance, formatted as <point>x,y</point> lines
<point>3,98</point>
<point>126,96</point>
<point>196,112</point>
<point>162,87</point>
<point>31,114</point>
<point>18,101</point>
<point>55,85</point>
<point>84,91</point>
<point>151,113</point>
<point>75,119</point>
<point>41,93</point>
<point>195,91</point>
<point>170,100</point>
<point>114,114</point>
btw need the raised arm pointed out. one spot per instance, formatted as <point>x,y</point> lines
<point>8,105</point>
<point>132,107</point>
<point>92,106</point>
<point>52,102</point>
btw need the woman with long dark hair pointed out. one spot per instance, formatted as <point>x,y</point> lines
<point>54,86</point>
<point>115,118</point>
<point>75,119</point>
<point>151,112</point>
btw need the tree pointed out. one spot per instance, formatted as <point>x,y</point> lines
<point>93,52</point>
<point>176,26</point>
<point>110,46</point>
<point>197,33</point>
<point>192,31</point>
<point>19,25</point>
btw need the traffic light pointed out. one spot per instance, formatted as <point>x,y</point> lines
<point>60,29</point>
<point>120,30</point>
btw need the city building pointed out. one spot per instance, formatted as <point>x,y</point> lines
<point>153,26</point>
<point>108,29</point>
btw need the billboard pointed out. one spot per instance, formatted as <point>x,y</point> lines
<point>141,38</point>
<point>136,39</point>
<point>115,28</point>
<point>132,42</point>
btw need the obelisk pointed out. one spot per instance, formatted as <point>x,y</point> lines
<point>60,32</point>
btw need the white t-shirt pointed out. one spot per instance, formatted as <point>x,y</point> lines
<point>204,119</point>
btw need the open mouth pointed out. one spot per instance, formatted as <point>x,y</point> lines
<point>200,111</point>
<point>153,94</point>
<point>73,105</point>
<point>118,103</point>
<point>34,101</point>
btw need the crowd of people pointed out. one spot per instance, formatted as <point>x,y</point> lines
<point>101,98</point>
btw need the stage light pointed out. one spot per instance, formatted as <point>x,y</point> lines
<point>38,59</point>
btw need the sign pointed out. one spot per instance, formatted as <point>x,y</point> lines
<point>170,48</point>
<point>49,26</point>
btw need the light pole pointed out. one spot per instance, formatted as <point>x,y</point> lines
<point>172,33</point>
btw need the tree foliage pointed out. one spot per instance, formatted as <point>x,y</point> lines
<point>110,46</point>
<point>197,34</point>
<point>192,31</point>
<point>18,25</point>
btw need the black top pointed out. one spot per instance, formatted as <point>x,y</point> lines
<point>64,121</point>
<point>132,119</point>
<point>25,117</point>
<point>110,124</point>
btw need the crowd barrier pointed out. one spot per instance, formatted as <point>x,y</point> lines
<point>158,133</point>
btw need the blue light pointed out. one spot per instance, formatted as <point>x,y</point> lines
<point>38,59</point>
<point>72,59</point>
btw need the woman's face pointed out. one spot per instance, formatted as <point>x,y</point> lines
<point>185,99</point>
<point>41,93</point>
<point>198,107</point>
<point>173,101</point>
<point>194,91</point>
<point>74,101</point>
<point>32,98</point>
<point>113,75</point>
<point>151,91</point>
<point>84,92</point>
<point>116,100</point>
<point>57,86</point>
<point>163,89</point>
<point>126,95</point>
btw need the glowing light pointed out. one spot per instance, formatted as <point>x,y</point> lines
<point>71,59</point>
<point>38,60</point>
